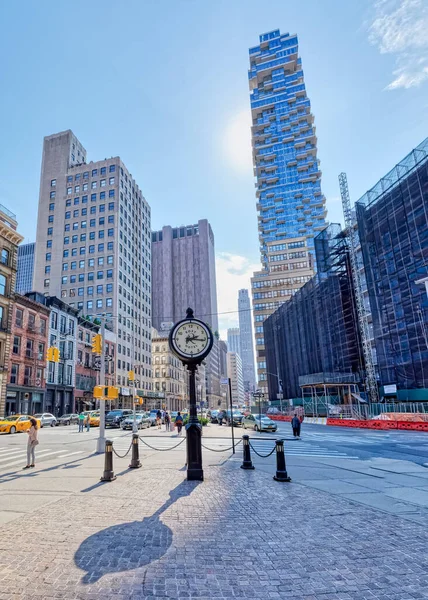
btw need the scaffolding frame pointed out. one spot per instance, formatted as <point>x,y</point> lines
<point>321,391</point>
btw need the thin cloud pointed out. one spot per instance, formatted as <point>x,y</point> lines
<point>400,27</point>
<point>233,273</point>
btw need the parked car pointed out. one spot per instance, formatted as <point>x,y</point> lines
<point>259,423</point>
<point>214,416</point>
<point>68,419</point>
<point>16,423</point>
<point>236,415</point>
<point>115,417</point>
<point>94,419</point>
<point>142,420</point>
<point>46,419</point>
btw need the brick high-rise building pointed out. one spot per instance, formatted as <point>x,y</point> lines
<point>93,248</point>
<point>183,275</point>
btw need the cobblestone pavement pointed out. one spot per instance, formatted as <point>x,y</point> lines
<point>239,534</point>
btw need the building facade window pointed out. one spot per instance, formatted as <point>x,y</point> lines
<point>14,373</point>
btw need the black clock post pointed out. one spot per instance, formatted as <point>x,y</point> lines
<point>193,432</point>
<point>192,358</point>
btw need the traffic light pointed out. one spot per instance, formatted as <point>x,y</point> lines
<point>131,375</point>
<point>52,354</point>
<point>110,392</point>
<point>97,343</point>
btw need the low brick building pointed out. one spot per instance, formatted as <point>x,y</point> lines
<point>86,367</point>
<point>9,240</point>
<point>88,364</point>
<point>26,385</point>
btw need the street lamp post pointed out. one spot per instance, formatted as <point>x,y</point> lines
<point>280,388</point>
<point>258,394</point>
<point>101,441</point>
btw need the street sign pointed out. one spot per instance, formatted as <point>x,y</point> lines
<point>224,381</point>
<point>279,396</point>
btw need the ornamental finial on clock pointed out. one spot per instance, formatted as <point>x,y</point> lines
<point>189,313</point>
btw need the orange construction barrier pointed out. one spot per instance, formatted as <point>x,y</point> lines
<point>379,424</point>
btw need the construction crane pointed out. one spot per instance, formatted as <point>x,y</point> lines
<point>353,241</point>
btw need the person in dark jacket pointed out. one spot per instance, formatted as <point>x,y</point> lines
<point>295,424</point>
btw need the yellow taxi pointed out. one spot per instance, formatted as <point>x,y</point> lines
<point>94,419</point>
<point>16,423</point>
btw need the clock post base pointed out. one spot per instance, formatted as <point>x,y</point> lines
<point>194,452</point>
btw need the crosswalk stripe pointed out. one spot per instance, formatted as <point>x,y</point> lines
<point>12,455</point>
<point>70,454</point>
<point>38,455</point>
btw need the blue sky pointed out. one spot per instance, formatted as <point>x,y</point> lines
<point>163,84</point>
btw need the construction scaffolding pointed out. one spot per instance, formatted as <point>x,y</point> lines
<point>393,230</point>
<point>314,332</point>
<point>324,393</point>
<point>362,312</point>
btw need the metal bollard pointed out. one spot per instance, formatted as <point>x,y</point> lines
<point>108,474</point>
<point>246,464</point>
<point>135,458</point>
<point>281,469</point>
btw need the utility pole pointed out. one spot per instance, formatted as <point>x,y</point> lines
<point>101,442</point>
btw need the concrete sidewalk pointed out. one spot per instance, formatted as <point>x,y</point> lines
<point>151,534</point>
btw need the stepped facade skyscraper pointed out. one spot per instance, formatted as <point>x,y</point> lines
<point>290,204</point>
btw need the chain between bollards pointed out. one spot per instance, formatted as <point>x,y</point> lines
<point>281,469</point>
<point>135,458</point>
<point>108,474</point>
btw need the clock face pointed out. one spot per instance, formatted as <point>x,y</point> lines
<point>191,339</point>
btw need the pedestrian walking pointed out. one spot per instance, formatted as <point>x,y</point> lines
<point>295,424</point>
<point>88,422</point>
<point>159,419</point>
<point>167,419</point>
<point>179,423</point>
<point>31,444</point>
<point>81,421</point>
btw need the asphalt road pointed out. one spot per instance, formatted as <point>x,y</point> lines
<point>317,441</point>
<point>361,443</point>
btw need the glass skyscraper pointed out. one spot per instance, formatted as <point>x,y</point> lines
<point>290,205</point>
<point>290,201</point>
<point>24,275</point>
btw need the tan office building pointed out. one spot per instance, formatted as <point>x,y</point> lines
<point>93,248</point>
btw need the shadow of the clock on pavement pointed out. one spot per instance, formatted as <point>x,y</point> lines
<point>131,545</point>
